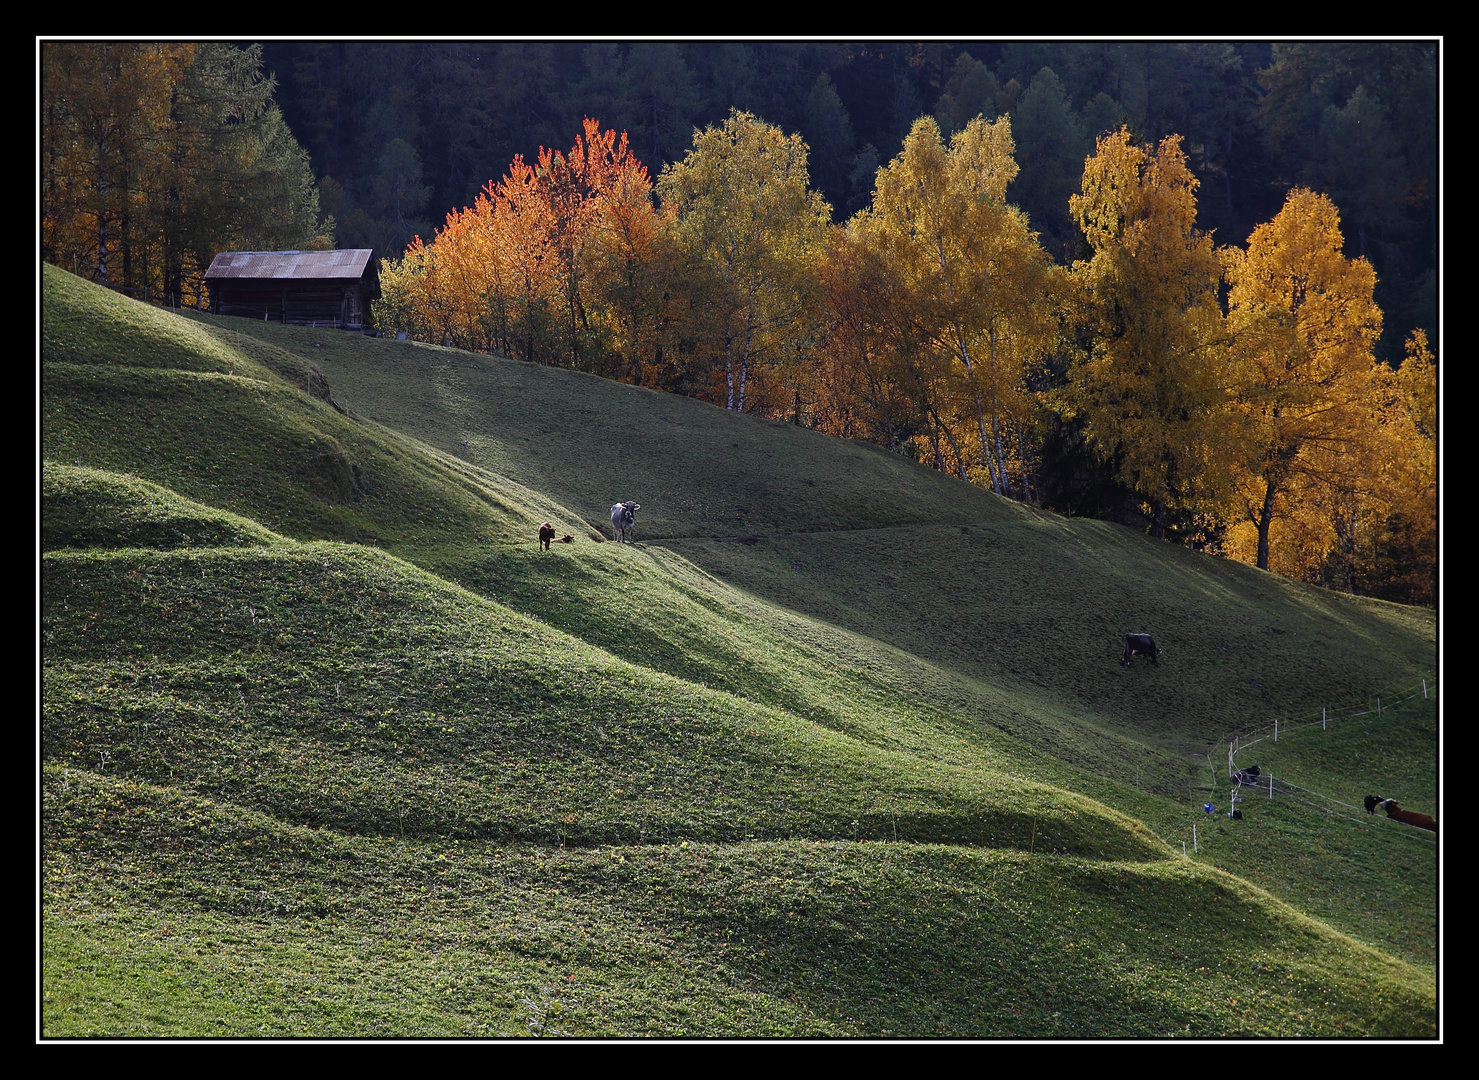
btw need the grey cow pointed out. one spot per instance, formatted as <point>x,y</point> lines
<point>623,518</point>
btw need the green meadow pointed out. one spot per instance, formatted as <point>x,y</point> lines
<point>840,747</point>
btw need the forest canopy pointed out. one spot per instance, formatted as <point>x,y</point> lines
<point>1357,120</point>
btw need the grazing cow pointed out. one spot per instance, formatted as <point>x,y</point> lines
<point>623,519</point>
<point>1396,813</point>
<point>546,534</point>
<point>1140,643</point>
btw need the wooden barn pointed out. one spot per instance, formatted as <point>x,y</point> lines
<point>304,288</point>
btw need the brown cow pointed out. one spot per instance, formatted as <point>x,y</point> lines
<point>546,534</point>
<point>1396,813</point>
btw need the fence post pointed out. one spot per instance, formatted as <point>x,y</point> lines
<point>1378,708</point>
<point>1194,837</point>
<point>1322,717</point>
<point>1270,785</point>
<point>1276,729</point>
<point>1425,689</point>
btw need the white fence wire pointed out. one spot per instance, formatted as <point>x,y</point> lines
<point>1265,784</point>
<point>1424,687</point>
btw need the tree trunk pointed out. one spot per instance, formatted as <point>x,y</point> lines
<point>1265,518</point>
<point>102,230</point>
<point>126,248</point>
<point>1001,461</point>
<point>955,449</point>
<point>1027,492</point>
<point>996,480</point>
<point>745,358</point>
<point>729,371</point>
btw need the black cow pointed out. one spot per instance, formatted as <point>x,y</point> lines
<point>1140,643</point>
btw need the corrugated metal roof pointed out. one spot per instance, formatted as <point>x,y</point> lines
<point>295,265</point>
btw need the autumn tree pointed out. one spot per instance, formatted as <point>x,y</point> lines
<point>597,189</point>
<point>485,281</point>
<point>1152,387</point>
<point>747,222</point>
<point>157,156</point>
<point>548,264</point>
<point>973,284</point>
<point>871,382</point>
<point>105,111</point>
<point>1406,565</point>
<point>629,263</point>
<point>1305,324</point>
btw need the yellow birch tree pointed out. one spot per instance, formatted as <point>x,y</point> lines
<point>973,283</point>
<point>1153,384</point>
<point>743,214</point>
<point>1305,323</point>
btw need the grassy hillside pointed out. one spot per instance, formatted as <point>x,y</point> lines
<point>336,686</point>
<point>838,530</point>
<point>168,914</point>
<point>848,752</point>
<point>1376,877</point>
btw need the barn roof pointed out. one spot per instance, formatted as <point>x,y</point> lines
<point>348,264</point>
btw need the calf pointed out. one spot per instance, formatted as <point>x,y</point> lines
<point>546,534</point>
<point>1140,643</point>
<point>624,520</point>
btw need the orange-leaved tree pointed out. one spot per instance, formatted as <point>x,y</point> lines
<point>624,261</point>
<point>1407,553</point>
<point>1381,537</point>
<point>535,266</point>
<point>596,187</point>
<point>871,383</point>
